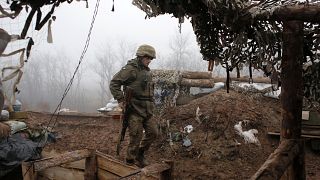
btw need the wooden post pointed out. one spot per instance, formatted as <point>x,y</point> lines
<point>291,92</point>
<point>90,171</point>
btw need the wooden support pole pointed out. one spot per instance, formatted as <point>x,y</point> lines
<point>61,159</point>
<point>278,161</point>
<point>291,92</point>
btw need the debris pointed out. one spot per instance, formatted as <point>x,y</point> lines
<point>249,136</point>
<point>186,142</point>
<point>198,114</point>
<point>188,129</point>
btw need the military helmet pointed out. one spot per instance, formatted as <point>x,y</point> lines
<point>146,50</point>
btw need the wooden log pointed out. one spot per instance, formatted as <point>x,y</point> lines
<point>61,159</point>
<point>245,79</point>
<point>204,83</point>
<point>196,75</point>
<point>278,161</point>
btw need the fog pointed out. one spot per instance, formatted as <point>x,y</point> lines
<point>114,39</point>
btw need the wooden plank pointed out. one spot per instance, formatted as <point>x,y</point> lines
<point>114,166</point>
<point>75,165</point>
<point>28,171</point>
<point>61,159</point>
<point>105,175</point>
<point>18,115</point>
<point>61,173</point>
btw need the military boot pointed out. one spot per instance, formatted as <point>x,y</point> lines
<point>140,160</point>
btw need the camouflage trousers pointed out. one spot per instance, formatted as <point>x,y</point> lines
<point>137,140</point>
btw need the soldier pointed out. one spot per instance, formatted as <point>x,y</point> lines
<point>136,76</point>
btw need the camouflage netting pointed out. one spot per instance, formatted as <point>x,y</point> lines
<point>167,86</point>
<point>235,33</point>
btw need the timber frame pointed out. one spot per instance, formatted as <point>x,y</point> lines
<point>90,165</point>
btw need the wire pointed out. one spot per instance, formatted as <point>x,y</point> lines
<point>70,82</point>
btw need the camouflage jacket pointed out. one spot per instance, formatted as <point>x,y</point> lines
<point>137,77</point>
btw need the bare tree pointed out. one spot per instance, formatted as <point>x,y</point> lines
<point>180,51</point>
<point>105,68</point>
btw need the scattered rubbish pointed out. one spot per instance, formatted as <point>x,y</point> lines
<point>65,110</point>
<point>176,136</point>
<point>186,142</point>
<point>188,129</point>
<point>4,115</point>
<point>198,114</point>
<point>249,136</point>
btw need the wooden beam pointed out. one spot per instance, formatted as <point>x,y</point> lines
<point>61,159</point>
<point>306,13</point>
<point>291,92</point>
<point>278,161</point>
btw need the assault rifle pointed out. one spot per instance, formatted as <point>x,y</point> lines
<point>124,116</point>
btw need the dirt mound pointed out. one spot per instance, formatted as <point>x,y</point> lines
<point>216,150</point>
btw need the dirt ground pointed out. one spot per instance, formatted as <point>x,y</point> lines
<point>217,152</point>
